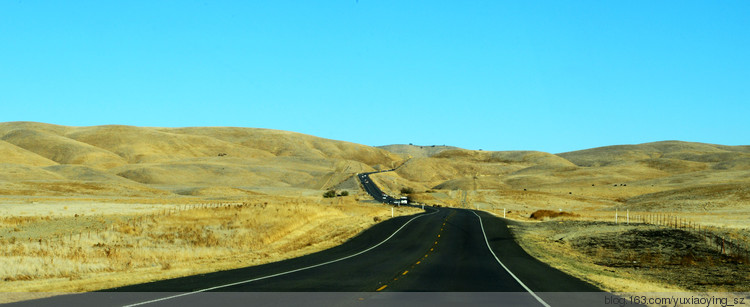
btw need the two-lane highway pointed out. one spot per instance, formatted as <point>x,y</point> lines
<point>372,189</point>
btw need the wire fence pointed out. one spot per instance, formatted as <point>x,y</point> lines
<point>720,238</point>
<point>725,241</point>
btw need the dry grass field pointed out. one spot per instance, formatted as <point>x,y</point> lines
<point>86,208</point>
<point>83,246</point>
<point>640,258</point>
<point>106,205</point>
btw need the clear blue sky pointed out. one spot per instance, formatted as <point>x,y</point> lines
<point>553,76</point>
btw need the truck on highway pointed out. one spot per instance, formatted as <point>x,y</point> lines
<point>404,200</point>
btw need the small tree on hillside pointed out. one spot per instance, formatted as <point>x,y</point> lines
<point>407,190</point>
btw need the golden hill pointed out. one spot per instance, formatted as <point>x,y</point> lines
<point>452,169</point>
<point>44,159</point>
<point>676,150</point>
<point>417,151</point>
<point>40,159</point>
<point>458,169</point>
<point>670,175</point>
<point>13,154</point>
<point>61,149</point>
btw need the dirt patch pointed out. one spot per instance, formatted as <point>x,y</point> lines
<point>542,214</point>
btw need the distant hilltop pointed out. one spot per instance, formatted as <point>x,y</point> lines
<point>420,151</point>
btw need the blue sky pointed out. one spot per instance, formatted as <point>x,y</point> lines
<point>552,76</point>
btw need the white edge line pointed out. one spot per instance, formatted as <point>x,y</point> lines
<point>279,274</point>
<point>506,268</point>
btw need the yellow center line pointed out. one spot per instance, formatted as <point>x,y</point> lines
<point>418,262</point>
<point>407,271</point>
<point>381,288</point>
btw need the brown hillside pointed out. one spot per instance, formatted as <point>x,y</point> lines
<point>652,177</point>
<point>697,152</point>
<point>41,127</point>
<point>61,149</point>
<point>220,160</point>
<point>474,183</point>
<point>199,161</point>
<point>212,174</point>
<point>528,157</point>
<point>416,151</point>
<point>706,198</point>
<point>19,172</point>
<point>285,143</point>
<point>448,169</point>
<point>17,155</point>
<point>144,145</point>
<point>739,164</point>
<point>85,173</point>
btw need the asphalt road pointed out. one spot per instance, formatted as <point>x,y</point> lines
<point>372,189</point>
<point>443,256</point>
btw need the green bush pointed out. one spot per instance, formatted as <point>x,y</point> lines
<point>329,194</point>
<point>344,193</point>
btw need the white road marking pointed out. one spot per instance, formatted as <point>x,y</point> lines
<point>282,273</point>
<point>506,268</point>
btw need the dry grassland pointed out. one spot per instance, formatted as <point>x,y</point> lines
<point>54,250</point>
<point>638,258</point>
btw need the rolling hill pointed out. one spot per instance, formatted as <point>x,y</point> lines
<point>41,159</point>
<point>417,151</point>
<point>45,159</point>
<point>667,175</point>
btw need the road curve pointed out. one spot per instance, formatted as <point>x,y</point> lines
<point>443,250</point>
<point>373,190</point>
<point>458,255</point>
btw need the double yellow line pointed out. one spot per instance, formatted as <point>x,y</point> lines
<point>442,228</point>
